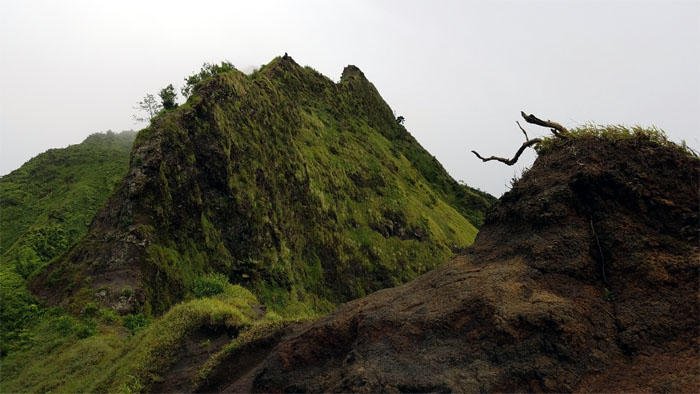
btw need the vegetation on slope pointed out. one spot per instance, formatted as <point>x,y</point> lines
<point>615,134</point>
<point>45,206</point>
<point>65,358</point>
<point>305,191</point>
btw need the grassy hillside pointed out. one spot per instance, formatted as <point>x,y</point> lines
<point>45,206</point>
<point>95,352</point>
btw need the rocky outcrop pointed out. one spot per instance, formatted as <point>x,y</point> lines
<point>584,278</point>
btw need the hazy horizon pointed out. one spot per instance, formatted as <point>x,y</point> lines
<point>459,72</point>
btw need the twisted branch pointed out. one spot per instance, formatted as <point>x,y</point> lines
<point>515,158</point>
<point>524,132</point>
<point>557,129</point>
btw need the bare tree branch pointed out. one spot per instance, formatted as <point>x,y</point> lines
<point>524,132</point>
<point>515,158</point>
<point>556,128</point>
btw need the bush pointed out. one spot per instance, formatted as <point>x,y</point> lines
<point>209,285</point>
<point>68,326</point>
<point>135,323</point>
<point>91,309</point>
<point>108,315</point>
<point>207,70</point>
<point>86,328</point>
<point>168,97</point>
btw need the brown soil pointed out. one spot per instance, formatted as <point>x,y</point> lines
<point>236,373</point>
<point>198,348</point>
<point>584,278</point>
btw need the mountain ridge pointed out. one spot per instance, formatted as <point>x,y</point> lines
<point>283,180</point>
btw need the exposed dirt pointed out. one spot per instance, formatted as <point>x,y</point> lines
<point>196,351</point>
<point>584,278</point>
<point>236,373</point>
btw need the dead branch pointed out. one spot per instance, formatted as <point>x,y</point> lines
<point>556,128</point>
<point>515,158</point>
<point>524,132</point>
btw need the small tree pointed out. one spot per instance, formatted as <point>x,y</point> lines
<point>168,97</point>
<point>150,107</point>
<point>400,120</point>
<point>207,70</point>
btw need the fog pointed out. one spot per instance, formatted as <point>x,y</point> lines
<point>459,72</point>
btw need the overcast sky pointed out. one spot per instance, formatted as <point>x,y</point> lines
<point>458,71</point>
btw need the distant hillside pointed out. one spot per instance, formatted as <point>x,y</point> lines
<point>306,191</point>
<point>45,206</point>
<point>48,202</point>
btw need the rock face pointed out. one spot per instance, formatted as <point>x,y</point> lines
<point>299,188</point>
<point>584,278</point>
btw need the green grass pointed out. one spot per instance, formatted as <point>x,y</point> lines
<point>59,360</point>
<point>48,203</point>
<point>615,133</point>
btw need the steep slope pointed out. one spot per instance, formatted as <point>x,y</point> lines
<point>304,190</point>
<point>45,206</point>
<point>584,278</point>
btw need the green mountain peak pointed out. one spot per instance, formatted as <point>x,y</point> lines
<point>306,191</point>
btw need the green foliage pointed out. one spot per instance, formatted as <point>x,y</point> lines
<point>107,315</point>
<point>209,285</point>
<point>91,309</point>
<point>135,323</point>
<point>47,205</point>
<point>63,359</point>
<point>18,310</point>
<point>208,70</point>
<point>68,326</point>
<point>168,97</point>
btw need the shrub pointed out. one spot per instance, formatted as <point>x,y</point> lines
<point>168,97</point>
<point>68,326</point>
<point>91,309</point>
<point>208,70</point>
<point>209,285</point>
<point>108,315</point>
<point>86,328</point>
<point>135,323</point>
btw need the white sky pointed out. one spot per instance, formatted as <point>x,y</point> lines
<point>459,71</point>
